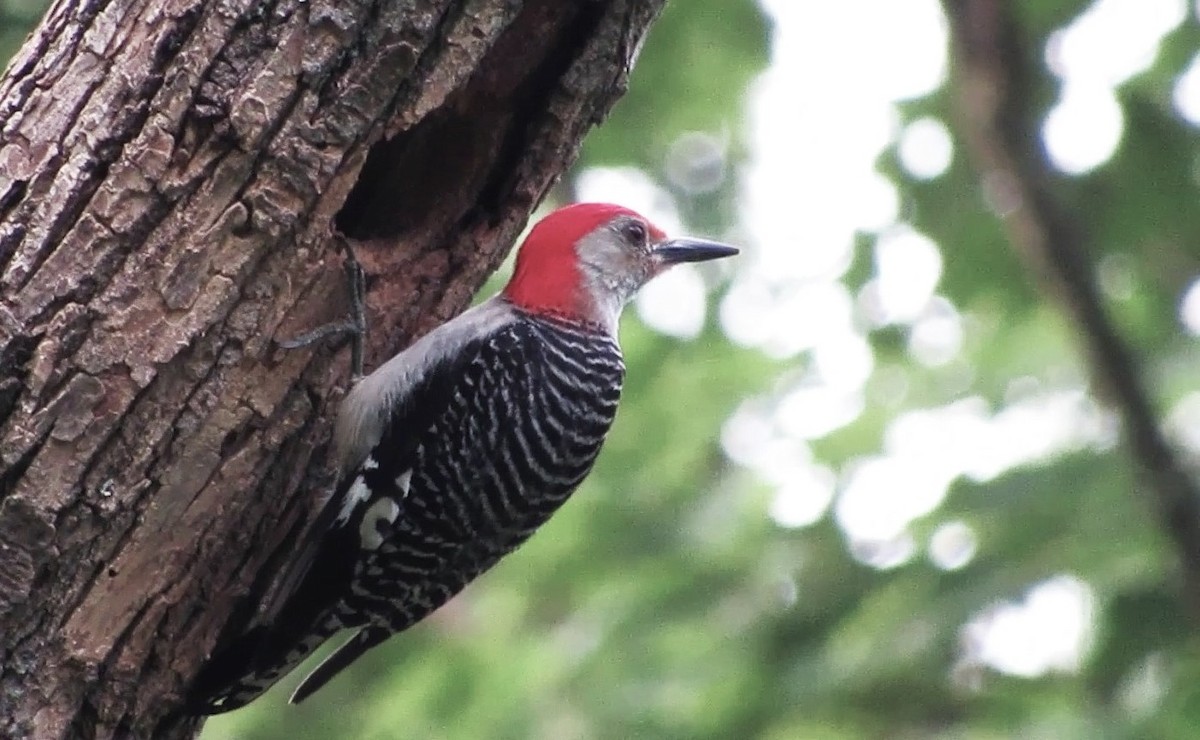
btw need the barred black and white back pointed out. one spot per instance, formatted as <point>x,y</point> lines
<point>454,451</point>
<point>494,419</point>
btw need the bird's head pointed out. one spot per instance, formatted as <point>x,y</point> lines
<point>585,261</point>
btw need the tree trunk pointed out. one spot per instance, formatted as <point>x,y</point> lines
<point>177,181</point>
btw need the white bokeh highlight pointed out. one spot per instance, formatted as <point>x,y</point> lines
<point>908,266</point>
<point>804,499</point>
<point>1113,40</point>
<point>924,451</point>
<point>1189,308</point>
<point>936,337</point>
<point>1047,631</point>
<point>674,303</point>
<point>1099,50</point>
<point>952,545</point>
<point>1186,93</point>
<point>926,149</point>
<point>1083,129</point>
<point>632,188</point>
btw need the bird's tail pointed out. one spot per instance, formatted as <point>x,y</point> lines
<point>242,671</point>
<point>301,611</point>
<point>363,640</point>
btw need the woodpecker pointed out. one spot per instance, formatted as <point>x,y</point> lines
<point>452,453</point>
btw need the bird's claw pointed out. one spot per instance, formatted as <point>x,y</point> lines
<point>355,326</point>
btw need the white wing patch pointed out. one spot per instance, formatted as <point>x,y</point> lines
<point>383,510</point>
<point>357,495</point>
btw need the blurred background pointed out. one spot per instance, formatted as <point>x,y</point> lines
<point>916,465</point>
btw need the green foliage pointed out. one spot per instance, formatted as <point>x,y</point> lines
<point>664,601</point>
<point>16,18</point>
<point>691,74</point>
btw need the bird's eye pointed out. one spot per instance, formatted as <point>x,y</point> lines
<point>635,232</point>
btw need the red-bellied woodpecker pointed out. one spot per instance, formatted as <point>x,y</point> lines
<point>453,452</point>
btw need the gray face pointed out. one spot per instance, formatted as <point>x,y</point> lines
<point>621,256</point>
<point>617,259</point>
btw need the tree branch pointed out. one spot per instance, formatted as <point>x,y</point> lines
<point>992,80</point>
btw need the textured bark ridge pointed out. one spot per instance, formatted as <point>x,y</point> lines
<point>177,178</point>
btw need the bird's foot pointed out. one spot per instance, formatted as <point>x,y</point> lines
<point>355,326</point>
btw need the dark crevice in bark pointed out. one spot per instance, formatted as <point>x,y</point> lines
<point>82,291</point>
<point>10,198</point>
<point>107,671</point>
<point>297,513</point>
<point>383,202</point>
<point>14,232</point>
<point>68,330</point>
<point>208,112</point>
<point>15,354</point>
<point>400,180</point>
<point>487,122</point>
<point>89,719</point>
<point>77,200</point>
<point>249,36</point>
<point>16,470</point>
<point>532,97</point>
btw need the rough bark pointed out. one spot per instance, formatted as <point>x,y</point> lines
<point>177,179</point>
<point>993,83</point>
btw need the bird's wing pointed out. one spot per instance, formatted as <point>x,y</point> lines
<point>334,543</point>
<point>298,618</point>
<point>340,536</point>
<point>287,630</point>
<point>378,428</point>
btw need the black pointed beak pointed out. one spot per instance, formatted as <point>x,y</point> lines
<point>687,249</point>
